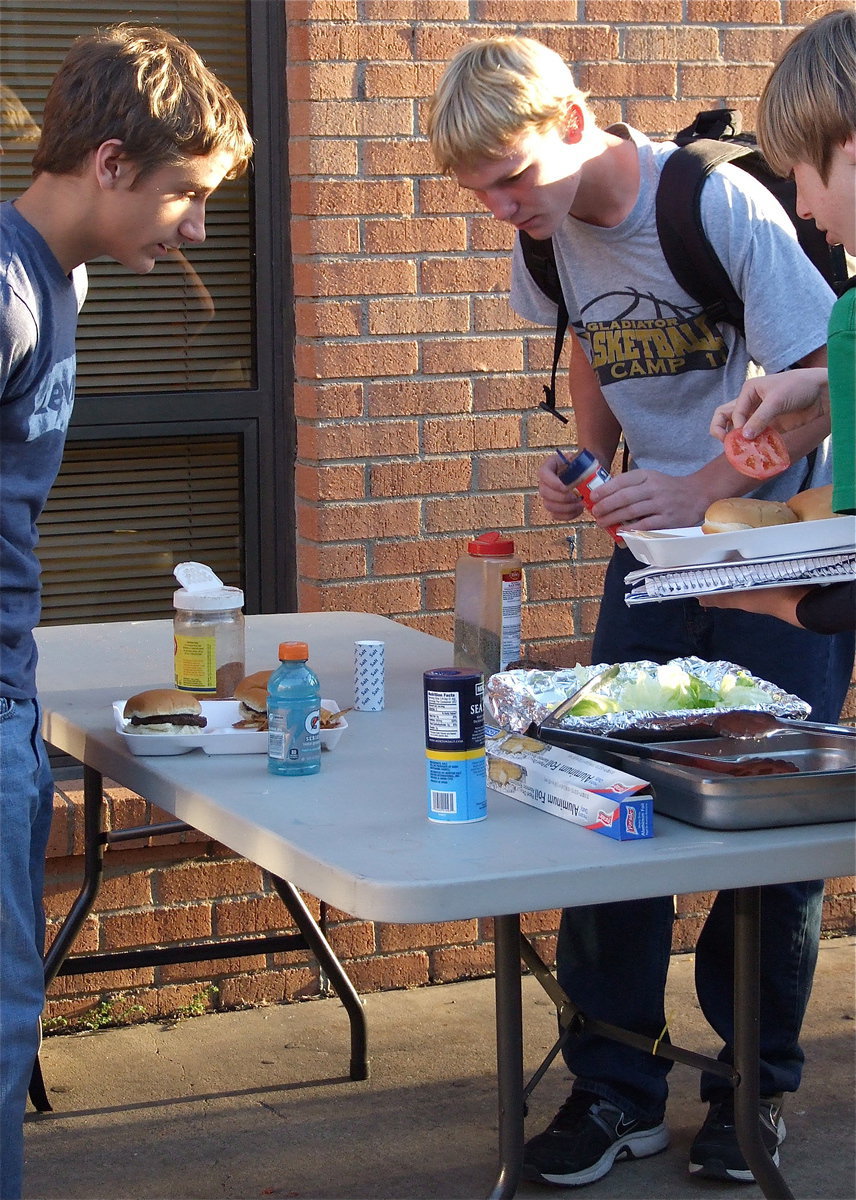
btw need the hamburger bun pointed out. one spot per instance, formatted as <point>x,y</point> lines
<point>164,710</point>
<point>743,512</point>
<point>814,504</point>
<point>257,679</point>
<point>251,694</point>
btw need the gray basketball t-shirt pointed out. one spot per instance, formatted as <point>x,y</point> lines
<point>662,365</point>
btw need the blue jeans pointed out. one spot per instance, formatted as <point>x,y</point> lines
<point>612,959</point>
<point>26,807</point>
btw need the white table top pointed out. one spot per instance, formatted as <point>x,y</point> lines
<point>357,834</point>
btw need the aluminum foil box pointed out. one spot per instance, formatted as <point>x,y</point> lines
<point>569,786</point>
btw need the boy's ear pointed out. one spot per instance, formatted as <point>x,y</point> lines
<point>849,146</point>
<point>573,123</point>
<point>110,164</point>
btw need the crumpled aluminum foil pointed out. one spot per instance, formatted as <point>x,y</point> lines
<point>518,698</point>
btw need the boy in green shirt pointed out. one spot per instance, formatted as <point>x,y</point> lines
<point>807,129</point>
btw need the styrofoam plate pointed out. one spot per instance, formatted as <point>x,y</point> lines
<point>690,547</point>
<point>218,736</point>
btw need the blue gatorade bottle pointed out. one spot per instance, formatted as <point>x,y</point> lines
<point>294,717</point>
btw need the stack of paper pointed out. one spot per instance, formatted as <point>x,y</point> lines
<point>667,583</point>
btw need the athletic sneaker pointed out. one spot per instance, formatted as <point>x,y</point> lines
<point>585,1138</point>
<point>715,1153</point>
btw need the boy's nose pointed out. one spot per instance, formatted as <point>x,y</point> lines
<point>502,207</point>
<point>192,228</point>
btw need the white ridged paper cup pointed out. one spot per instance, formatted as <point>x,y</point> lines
<point>368,676</point>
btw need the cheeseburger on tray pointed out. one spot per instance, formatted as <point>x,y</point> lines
<point>251,694</point>
<point>164,710</point>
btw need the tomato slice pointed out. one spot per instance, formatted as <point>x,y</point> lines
<point>760,457</point>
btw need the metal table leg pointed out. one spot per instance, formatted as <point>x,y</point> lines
<point>93,869</point>
<point>309,937</point>
<point>745,1073</point>
<point>747,944</point>
<point>509,1054</point>
<point>330,964</point>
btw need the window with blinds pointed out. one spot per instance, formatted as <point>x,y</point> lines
<point>122,515</point>
<point>187,325</point>
<point>179,438</point>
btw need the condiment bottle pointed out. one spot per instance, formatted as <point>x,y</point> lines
<point>488,600</point>
<point>294,714</point>
<point>208,628</point>
<point>585,475</point>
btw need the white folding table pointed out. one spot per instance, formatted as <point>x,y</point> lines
<point>357,834</point>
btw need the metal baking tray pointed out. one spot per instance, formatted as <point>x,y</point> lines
<point>823,787</point>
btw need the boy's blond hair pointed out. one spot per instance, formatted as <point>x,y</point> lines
<point>148,89</point>
<point>808,105</point>
<point>493,91</point>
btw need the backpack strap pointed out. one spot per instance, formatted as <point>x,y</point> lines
<point>712,123</point>
<point>540,259</point>
<point>686,247</point>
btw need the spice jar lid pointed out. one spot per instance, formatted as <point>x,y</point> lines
<point>203,591</point>
<point>577,467</point>
<point>490,544</point>
<point>214,601</point>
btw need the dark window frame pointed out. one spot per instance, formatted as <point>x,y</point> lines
<point>263,414</point>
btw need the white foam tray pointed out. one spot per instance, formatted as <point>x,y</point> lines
<point>218,736</point>
<point>690,547</point>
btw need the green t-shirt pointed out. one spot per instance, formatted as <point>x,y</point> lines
<point>841,359</point>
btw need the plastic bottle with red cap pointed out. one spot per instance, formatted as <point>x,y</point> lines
<point>488,602</point>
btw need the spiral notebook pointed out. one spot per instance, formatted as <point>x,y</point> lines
<point>669,583</point>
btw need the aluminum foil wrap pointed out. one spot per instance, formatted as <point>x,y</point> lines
<point>518,698</point>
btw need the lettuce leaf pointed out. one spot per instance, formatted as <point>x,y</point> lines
<point>739,691</point>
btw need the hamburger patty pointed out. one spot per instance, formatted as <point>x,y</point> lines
<point>173,719</point>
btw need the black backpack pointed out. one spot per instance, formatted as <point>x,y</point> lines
<point>714,137</point>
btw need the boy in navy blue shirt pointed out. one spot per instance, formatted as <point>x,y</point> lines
<point>137,134</point>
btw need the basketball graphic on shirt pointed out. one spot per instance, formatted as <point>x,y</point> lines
<point>635,334</point>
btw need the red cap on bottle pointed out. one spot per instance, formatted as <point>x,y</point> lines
<point>495,545</point>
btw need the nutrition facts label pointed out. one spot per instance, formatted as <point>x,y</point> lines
<point>444,716</point>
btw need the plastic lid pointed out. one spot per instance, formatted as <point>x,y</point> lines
<point>203,591</point>
<point>577,467</point>
<point>293,651</point>
<point>491,544</point>
<point>217,601</point>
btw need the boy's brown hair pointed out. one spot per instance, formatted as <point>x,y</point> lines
<point>149,90</point>
<point>808,105</point>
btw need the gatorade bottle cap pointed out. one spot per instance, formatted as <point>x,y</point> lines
<point>492,544</point>
<point>293,651</point>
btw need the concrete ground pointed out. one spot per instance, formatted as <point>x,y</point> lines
<point>258,1103</point>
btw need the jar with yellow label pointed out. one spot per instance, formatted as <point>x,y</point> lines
<point>208,630</point>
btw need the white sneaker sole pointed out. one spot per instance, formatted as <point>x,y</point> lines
<point>715,1169</point>
<point>634,1145</point>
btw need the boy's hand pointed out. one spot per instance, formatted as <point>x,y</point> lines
<point>559,500</point>
<point>784,401</point>
<point>778,602</point>
<point>645,499</point>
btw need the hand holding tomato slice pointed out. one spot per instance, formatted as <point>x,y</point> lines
<point>760,457</point>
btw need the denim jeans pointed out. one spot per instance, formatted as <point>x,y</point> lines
<point>26,806</point>
<point>612,959</point>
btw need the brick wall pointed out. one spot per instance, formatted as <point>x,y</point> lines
<point>416,386</point>
<point>186,886</point>
<point>415,393</point>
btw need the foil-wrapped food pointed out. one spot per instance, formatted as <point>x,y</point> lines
<point>639,696</point>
